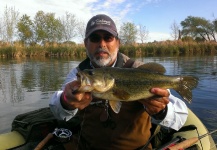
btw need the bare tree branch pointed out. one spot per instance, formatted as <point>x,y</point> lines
<point>175,34</point>
<point>143,33</point>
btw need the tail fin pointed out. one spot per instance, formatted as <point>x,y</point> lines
<point>187,84</point>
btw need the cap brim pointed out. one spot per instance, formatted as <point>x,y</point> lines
<point>101,28</point>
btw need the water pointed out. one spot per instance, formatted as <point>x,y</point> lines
<point>27,84</point>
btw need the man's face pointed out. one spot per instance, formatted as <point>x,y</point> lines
<point>102,48</point>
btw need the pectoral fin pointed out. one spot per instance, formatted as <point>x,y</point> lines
<point>115,105</point>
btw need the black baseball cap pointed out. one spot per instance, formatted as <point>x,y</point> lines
<point>101,22</point>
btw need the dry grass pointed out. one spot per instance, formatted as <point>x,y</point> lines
<point>166,48</point>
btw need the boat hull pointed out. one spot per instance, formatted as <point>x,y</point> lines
<point>207,142</point>
<point>14,139</point>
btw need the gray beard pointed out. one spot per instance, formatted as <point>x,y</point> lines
<point>100,61</point>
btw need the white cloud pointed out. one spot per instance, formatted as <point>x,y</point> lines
<point>82,9</point>
<point>119,10</point>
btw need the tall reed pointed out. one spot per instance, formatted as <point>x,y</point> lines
<point>165,48</point>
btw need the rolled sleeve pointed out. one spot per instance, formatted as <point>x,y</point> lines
<point>176,115</point>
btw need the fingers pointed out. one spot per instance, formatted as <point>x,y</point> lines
<point>158,102</point>
<point>160,92</point>
<point>154,106</point>
<point>74,99</point>
<point>82,102</point>
<point>74,85</point>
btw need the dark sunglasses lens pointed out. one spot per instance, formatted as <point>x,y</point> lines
<point>95,38</point>
<point>108,38</point>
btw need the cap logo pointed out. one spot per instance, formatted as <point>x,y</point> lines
<point>100,22</point>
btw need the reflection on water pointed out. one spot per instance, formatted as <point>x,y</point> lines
<point>29,76</point>
<point>27,84</point>
<point>11,89</point>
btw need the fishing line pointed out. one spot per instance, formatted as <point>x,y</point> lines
<point>82,123</point>
<point>189,142</point>
<point>202,136</point>
<point>199,139</point>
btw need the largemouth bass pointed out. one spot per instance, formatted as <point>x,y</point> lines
<point>131,84</point>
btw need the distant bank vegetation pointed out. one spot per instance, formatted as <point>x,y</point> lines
<point>166,48</point>
<point>47,35</point>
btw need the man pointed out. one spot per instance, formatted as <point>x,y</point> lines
<point>101,128</point>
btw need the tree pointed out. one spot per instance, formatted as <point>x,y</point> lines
<point>69,23</point>
<point>211,30</point>
<point>47,28</point>
<point>40,25</point>
<point>10,19</point>
<point>81,27</point>
<point>198,27</point>
<point>215,25</point>
<point>143,33</point>
<point>25,29</point>
<point>1,30</point>
<point>128,33</point>
<point>175,34</point>
<point>54,28</point>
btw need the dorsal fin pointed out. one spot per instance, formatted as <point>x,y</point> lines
<point>153,67</point>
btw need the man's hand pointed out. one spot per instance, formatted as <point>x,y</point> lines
<point>71,100</point>
<point>155,105</point>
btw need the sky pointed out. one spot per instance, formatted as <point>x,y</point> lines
<point>156,15</point>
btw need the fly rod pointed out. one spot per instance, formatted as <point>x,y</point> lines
<point>189,142</point>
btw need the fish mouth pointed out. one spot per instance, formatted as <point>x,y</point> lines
<point>85,83</point>
<point>90,81</point>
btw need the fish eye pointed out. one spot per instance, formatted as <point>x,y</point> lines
<point>90,73</point>
<point>77,74</point>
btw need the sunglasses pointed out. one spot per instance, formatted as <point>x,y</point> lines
<point>95,38</point>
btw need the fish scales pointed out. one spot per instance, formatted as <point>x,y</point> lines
<point>130,84</point>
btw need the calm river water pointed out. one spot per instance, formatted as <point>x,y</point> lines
<point>27,84</point>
